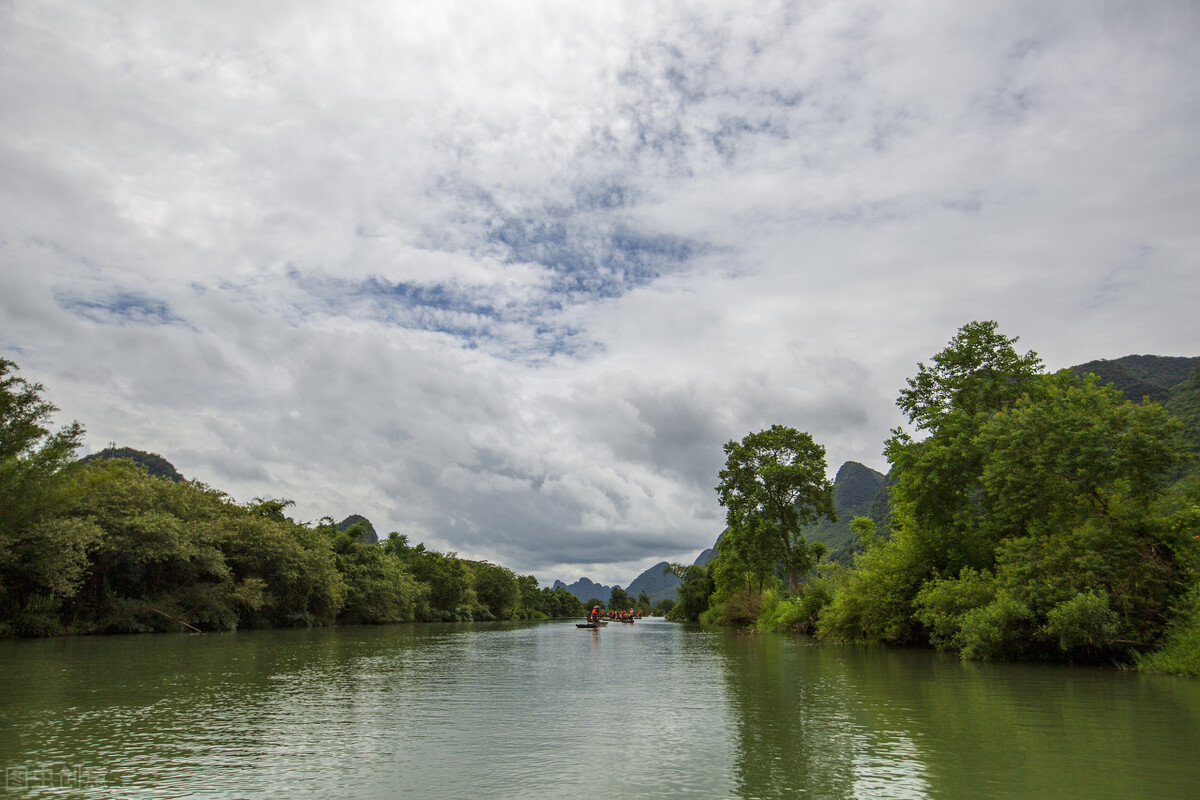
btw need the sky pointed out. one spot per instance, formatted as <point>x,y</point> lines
<point>506,276</point>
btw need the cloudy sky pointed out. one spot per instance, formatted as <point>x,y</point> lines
<point>505,276</point>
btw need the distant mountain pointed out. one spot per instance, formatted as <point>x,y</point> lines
<point>367,533</point>
<point>1142,376</point>
<point>586,590</point>
<point>153,463</point>
<point>654,583</point>
<point>663,587</point>
<point>1173,381</point>
<point>858,491</point>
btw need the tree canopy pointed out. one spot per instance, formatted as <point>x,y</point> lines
<point>773,484</point>
<point>1029,523</point>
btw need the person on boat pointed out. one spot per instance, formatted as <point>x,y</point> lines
<point>595,615</point>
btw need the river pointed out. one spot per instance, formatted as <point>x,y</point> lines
<point>546,710</point>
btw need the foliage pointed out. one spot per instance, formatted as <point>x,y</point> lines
<point>773,484</point>
<point>695,588</point>
<point>740,607</point>
<point>451,596</point>
<point>379,588</point>
<point>1180,651</point>
<point>978,372</point>
<point>1184,403</point>
<point>798,613</point>
<point>153,463</point>
<point>559,603</point>
<point>496,590</point>
<point>865,530</point>
<point>158,561</point>
<point>942,602</point>
<point>527,606</point>
<point>42,556</point>
<point>1032,522</point>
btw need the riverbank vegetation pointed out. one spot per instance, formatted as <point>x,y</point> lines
<point>1032,516</point>
<point>104,546</point>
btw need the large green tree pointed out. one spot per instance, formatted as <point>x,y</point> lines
<point>1086,566</point>
<point>1029,522</point>
<point>695,589</point>
<point>773,485</point>
<point>936,500</point>
<point>42,555</point>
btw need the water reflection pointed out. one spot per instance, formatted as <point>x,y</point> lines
<point>549,711</point>
<point>871,722</point>
<point>798,730</point>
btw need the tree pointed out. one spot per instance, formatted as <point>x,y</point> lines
<point>1032,527</point>
<point>158,561</point>
<point>695,588</point>
<point>773,484</point>
<point>937,498</point>
<point>42,557</point>
<point>451,594</point>
<point>978,371</point>
<point>496,590</point>
<point>379,587</point>
<point>938,480</point>
<point>864,529</point>
<point>527,597</point>
<point>619,598</point>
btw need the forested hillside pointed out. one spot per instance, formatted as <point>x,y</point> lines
<point>103,545</point>
<point>1140,376</point>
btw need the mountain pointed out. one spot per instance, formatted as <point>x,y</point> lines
<point>663,587</point>
<point>654,583</point>
<point>1142,376</point>
<point>586,590</point>
<point>1173,381</point>
<point>153,463</point>
<point>858,491</point>
<point>366,534</point>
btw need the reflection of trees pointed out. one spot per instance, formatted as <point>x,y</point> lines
<point>839,722</point>
<point>1035,730</point>
<point>797,726</point>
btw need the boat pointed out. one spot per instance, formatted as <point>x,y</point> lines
<point>587,625</point>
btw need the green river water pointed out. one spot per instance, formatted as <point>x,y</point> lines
<point>545,710</point>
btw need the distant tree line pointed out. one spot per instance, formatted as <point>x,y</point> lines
<point>103,546</point>
<point>620,600</point>
<point>1032,516</point>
